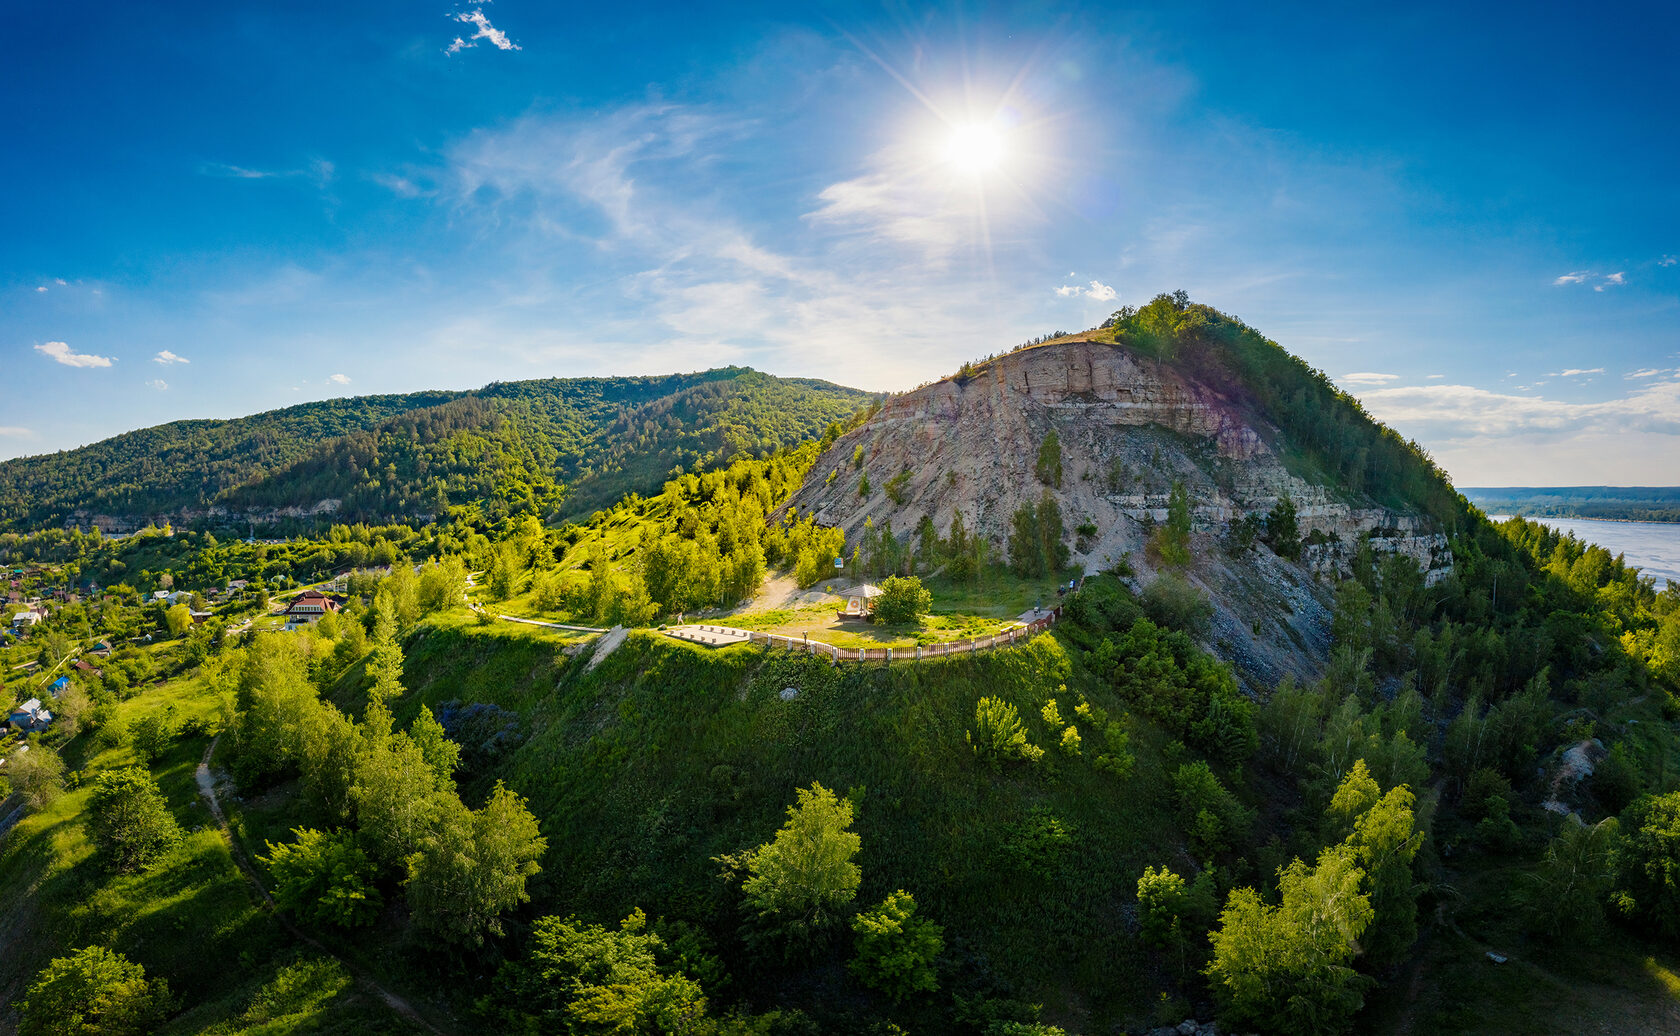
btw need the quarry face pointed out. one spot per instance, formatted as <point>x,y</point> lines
<point>1128,427</point>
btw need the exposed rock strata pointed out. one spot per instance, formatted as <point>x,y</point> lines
<point>1129,428</point>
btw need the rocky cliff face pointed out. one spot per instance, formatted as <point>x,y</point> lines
<point>1129,427</point>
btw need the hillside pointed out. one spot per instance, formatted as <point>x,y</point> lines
<point>1106,425</point>
<point>1613,503</point>
<point>547,446</point>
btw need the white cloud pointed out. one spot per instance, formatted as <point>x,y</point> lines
<point>61,352</point>
<point>1611,281</point>
<point>1573,278</point>
<point>1668,260</point>
<point>1576,372</point>
<point>1097,292</point>
<point>339,379</point>
<point>880,288</point>
<point>157,383</point>
<point>42,287</point>
<point>1433,377</point>
<point>486,31</point>
<point>1648,372</point>
<point>59,281</point>
<point>15,432</point>
<point>166,357</point>
<point>1454,413</point>
<point>1367,378</point>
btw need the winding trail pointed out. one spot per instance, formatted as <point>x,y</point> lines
<point>207,788</point>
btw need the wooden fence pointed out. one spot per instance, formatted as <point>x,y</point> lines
<point>805,645</point>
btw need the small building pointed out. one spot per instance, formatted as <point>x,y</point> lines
<point>309,607</point>
<point>860,601</point>
<point>30,717</point>
<point>28,617</point>
<point>59,686</point>
<point>83,667</point>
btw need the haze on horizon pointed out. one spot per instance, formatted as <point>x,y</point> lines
<point>1467,219</point>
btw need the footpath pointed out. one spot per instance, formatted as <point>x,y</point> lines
<point>723,636</point>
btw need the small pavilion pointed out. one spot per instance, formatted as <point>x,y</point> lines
<point>860,601</point>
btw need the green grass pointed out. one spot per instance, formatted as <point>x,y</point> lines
<point>191,918</point>
<point>669,755</point>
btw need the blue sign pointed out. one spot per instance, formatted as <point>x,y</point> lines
<point>839,562</point>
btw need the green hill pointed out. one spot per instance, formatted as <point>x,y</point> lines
<point>557,445</point>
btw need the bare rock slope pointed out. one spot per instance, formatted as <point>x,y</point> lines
<point>1128,428</point>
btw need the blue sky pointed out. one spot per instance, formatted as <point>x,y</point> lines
<point>1470,220</point>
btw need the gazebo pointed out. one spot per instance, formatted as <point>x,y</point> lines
<point>860,601</point>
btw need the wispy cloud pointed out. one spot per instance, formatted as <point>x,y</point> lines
<point>1450,413</point>
<point>485,31</point>
<point>1668,260</point>
<point>878,287</point>
<point>1367,378</point>
<point>339,379</point>
<point>1647,372</point>
<point>1097,291</point>
<point>42,287</point>
<point>15,432</point>
<point>1576,372</point>
<point>61,352</point>
<point>1434,377</point>
<point>319,170</point>
<point>157,383</point>
<point>1578,277</point>
<point>166,357</point>
<point>1611,281</point>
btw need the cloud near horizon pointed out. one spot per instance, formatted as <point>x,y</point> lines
<point>60,351</point>
<point>1368,378</point>
<point>157,383</point>
<point>15,432</point>
<point>166,357</point>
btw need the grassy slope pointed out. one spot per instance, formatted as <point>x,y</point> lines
<point>668,755</point>
<point>191,918</point>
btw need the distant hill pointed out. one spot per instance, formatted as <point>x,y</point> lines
<point>561,445</point>
<point>1615,503</point>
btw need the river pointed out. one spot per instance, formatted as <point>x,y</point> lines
<point>1653,546</point>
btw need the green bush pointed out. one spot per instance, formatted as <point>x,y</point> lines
<point>799,882</point>
<point>324,878</point>
<point>896,949</point>
<point>129,820</point>
<point>902,600</point>
<point>93,991</point>
<point>999,735</point>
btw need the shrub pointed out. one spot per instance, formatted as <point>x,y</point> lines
<point>903,599</point>
<point>94,990</point>
<point>999,734</point>
<point>896,949</point>
<point>324,878</point>
<point>129,820</point>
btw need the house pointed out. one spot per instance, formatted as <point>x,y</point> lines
<point>30,716</point>
<point>200,618</point>
<point>83,667</point>
<point>102,649</point>
<point>309,607</point>
<point>59,686</point>
<point>860,601</point>
<point>236,585</point>
<point>28,617</point>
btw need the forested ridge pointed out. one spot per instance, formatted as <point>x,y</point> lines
<point>529,445</point>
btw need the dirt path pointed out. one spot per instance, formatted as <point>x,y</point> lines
<point>207,788</point>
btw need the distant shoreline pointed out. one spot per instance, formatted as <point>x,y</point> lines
<point>1658,505</point>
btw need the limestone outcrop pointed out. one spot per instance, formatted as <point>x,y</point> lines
<point>1129,427</point>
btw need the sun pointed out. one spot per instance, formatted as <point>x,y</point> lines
<point>975,148</point>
